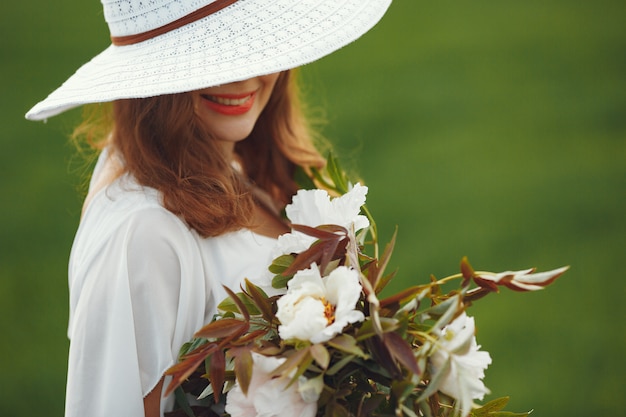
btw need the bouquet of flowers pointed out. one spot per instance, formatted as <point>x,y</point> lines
<point>320,340</point>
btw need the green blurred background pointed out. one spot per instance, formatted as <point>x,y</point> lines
<point>494,129</point>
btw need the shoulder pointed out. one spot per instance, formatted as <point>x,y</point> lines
<point>126,201</point>
<point>128,218</point>
<point>127,241</point>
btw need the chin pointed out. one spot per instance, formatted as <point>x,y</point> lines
<point>234,137</point>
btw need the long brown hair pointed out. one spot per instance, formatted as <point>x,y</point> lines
<point>164,147</point>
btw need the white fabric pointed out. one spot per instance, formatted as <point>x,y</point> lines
<point>141,283</point>
<point>246,39</point>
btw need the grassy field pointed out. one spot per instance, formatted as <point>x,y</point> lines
<point>492,129</point>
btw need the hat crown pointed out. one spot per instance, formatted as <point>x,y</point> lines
<point>130,17</point>
<point>173,46</point>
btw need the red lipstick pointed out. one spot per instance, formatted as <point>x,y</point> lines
<point>229,104</point>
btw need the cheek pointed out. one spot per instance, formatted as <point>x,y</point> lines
<point>270,79</point>
<point>269,82</point>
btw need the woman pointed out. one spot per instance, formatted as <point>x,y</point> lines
<point>198,161</point>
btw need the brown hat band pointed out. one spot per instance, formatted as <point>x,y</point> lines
<point>202,12</point>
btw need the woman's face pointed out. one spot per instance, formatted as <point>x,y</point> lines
<point>230,111</point>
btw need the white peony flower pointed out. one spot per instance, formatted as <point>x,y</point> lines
<point>270,397</point>
<point>315,207</point>
<point>457,350</point>
<point>316,308</point>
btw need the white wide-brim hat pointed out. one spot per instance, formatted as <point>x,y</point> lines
<point>173,46</point>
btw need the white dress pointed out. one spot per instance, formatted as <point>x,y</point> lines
<point>141,284</point>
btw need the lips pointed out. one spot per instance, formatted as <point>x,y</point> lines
<point>229,104</point>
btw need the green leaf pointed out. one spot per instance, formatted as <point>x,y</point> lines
<point>373,229</point>
<point>370,404</point>
<point>426,409</point>
<point>321,355</point>
<point>181,400</point>
<point>494,405</point>
<point>339,365</point>
<point>302,367</point>
<point>499,414</point>
<point>331,176</point>
<point>348,344</point>
<point>240,305</point>
<point>336,174</point>
<point>280,264</point>
<point>408,412</point>
<point>293,362</point>
<point>303,180</point>
<point>440,309</point>
<point>320,178</point>
<point>453,305</point>
<point>367,329</point>
<point>228,305</point>
<point>379,282</point>
<point>445,311</point>
<point>192,345</point>
<point>401,390</point>
<point>435,381</point>
<point>280,281</point>
<point>493,409</point>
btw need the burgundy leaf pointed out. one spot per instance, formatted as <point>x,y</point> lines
<point>222,328</point>
<point>217,372</point>
<point>260,300</point>
<point>467,271</point>
<point>243,366</point>
<point>242,308</point>
<point>182,370</point>
<point>402,296</point>
<point>401,351</point>
<point>323,232</point>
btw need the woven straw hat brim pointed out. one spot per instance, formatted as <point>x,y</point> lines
<point>244,40</point>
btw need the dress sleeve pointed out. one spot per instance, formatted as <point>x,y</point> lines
<point>134,301</point>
